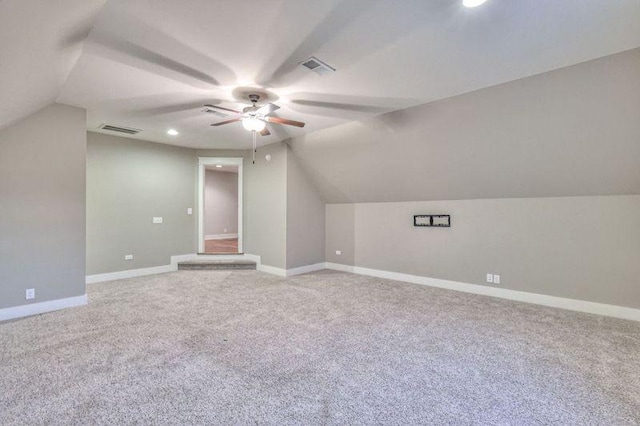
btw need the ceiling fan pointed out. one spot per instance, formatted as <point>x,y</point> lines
<point>255,118</point>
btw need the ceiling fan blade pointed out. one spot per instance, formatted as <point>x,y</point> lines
<point>267,109</point>
<point>279,120</point>
<point>265,132</point>
<point>224,109</point>
<point>233,120</point>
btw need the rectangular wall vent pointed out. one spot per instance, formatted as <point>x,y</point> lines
<point>316,65</point>
<point>120,129</point>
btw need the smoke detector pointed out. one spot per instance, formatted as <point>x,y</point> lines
<point>316,65</point>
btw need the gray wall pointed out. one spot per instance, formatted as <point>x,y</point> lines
<point>500,151</point>
<point>584,248</point>
<point>340,228</point>
<point>305,218</point>
<point>42,208</point>
<point>128,183</point>
<point>265,205</point>
<point>220,202</point>
<point>573,131</point>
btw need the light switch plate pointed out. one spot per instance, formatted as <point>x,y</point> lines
<point>157,220</point>
<point>189,210</point>
<point>489,278</point>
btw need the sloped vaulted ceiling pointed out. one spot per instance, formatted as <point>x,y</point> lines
<point>568,132</point>
<point>152,64</point>
<point>40,43</point>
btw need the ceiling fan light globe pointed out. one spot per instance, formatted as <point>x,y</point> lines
<point>253,124</point>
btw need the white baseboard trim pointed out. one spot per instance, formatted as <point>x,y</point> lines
<point>220,236</point>
<point>520,296</point>
<point>172,266</point>
<point>305,269</point>
<point>272,270</point>
<point>110,276</point>
<point>265,268</point>
<point>131,273</point>
<point>253,257</point>
<point>41,307</point>
<point>284,272</point>
<point>340,267</point>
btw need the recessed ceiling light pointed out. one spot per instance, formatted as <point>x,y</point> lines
<point>172,132</point>
<point>472,3</point>
<point>219,166</point>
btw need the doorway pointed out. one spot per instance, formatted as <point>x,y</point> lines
<point>220,205</point>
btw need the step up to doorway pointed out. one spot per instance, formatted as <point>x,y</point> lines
<point>215,265</point>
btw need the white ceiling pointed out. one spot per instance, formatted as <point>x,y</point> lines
<point>40,42</point>
<point>151,65</point>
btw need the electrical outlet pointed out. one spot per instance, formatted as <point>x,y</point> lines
<point>489,278</point>
<point>339,252</point>
<point>128,257</point>
<point>30,293</point>
<point>189,210</point>
<point>496,279</point>
<point>157,220</point>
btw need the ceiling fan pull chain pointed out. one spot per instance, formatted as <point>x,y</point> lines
<point>254,146</point>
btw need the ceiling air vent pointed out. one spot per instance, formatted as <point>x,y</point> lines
<point>120,129</point>
<point>316,65</point>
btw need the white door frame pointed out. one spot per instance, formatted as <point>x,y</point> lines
<point>225,161</point>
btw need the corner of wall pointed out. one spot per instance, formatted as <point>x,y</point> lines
<point>305,217</point>
<point>265,205</point>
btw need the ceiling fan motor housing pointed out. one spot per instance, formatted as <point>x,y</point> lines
<point>250,109</point>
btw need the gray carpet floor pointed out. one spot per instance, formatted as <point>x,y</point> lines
<point>243,347</point>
